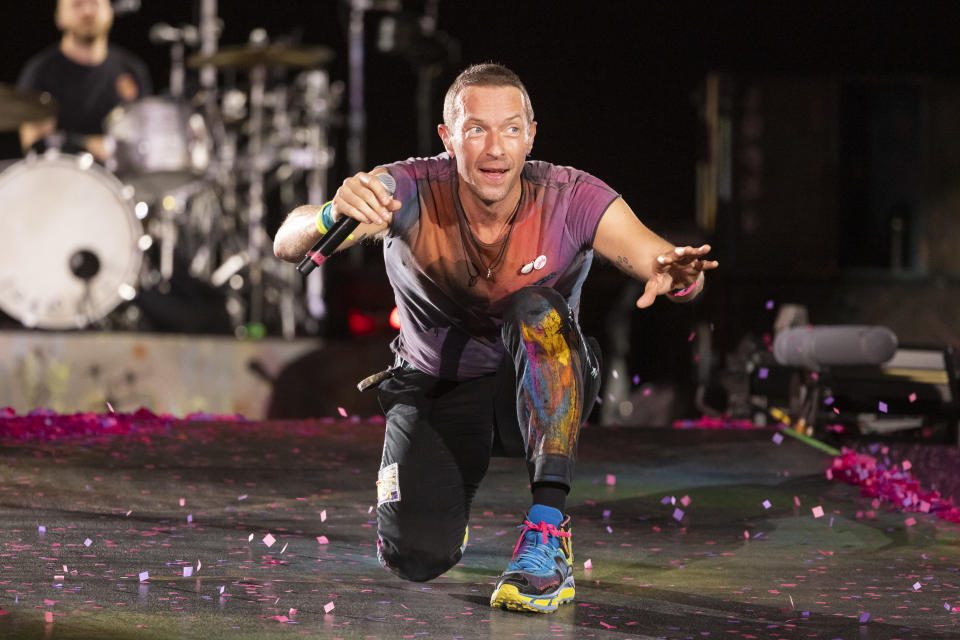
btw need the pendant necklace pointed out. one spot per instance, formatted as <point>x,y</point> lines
<point>487,270</point>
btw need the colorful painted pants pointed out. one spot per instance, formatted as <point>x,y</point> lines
<point>441,434</point>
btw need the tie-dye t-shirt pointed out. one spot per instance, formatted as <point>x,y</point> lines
<point>450,312</point>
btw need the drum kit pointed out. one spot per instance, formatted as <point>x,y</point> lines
<point>190,190</point>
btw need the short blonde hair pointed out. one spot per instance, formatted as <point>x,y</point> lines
<point>487,74</point>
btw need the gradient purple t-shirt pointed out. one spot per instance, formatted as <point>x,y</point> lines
<point>450,315</point>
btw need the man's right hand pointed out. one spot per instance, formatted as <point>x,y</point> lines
<point>363,197</point>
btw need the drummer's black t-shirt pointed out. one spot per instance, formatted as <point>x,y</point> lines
<point>85,94</point>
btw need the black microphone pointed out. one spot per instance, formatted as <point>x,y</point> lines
<point>334,237</point>
<point>843,345</point>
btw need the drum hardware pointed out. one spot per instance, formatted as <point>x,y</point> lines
<point>18,106</point>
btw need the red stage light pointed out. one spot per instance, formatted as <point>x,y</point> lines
<point>395,318</point>
<point>360,323</point>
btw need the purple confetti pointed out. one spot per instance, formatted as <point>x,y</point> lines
<point>763,373</point>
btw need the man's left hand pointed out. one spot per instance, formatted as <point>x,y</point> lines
<point>678,269</point>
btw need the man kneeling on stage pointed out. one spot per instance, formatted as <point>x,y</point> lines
<point>487,253</point>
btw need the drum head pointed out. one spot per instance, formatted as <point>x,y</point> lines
<point>68,242</point>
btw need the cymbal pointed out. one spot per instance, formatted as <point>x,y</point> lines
<point>18,106</point>
<point>245,57</point>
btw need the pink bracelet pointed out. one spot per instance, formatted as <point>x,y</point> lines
<point>679,293</point>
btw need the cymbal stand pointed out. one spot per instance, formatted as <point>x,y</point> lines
<point>255,204</point>
<point>318,98</point>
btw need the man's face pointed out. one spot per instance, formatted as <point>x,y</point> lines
<point>490,140</point>
<point>85,20</point>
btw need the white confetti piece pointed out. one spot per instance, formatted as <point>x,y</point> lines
<point>221,590</point>
<point>284,547</point>
<point>327,608</point>
<point>183,501</point>
<point>588,564</point>
<point>87,542</point>
<point>187,572</point>
<point>189,518</point>
<point>323,516</point>
<point>41,529</point>
<point>250,538</point>
<point>917,585</point>
<point>144,576</point>
<point>269,540</point>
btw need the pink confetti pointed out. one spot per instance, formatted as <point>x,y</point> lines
<point>342,411</point>
<point>269,540</point>
<point>48,616</point>
<point>817,512</point>
<point>910,521</point>
<point>110,406</point>
<point>322,540</point>
<point>327,608</point>
<point>906,465</point>
<point>144,576</point>
<point>611,479</point>
<point>912,397</point>
<point>693,334</point>
<point>183,501</point>
<point>746,534</point>
<point>796,501</point>
<point>588,564</point>
<point>685,501</point>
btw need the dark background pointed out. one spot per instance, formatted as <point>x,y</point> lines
<point>857,103</point>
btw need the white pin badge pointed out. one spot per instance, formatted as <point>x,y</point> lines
<point>540,262</point>
<point>527,268</point>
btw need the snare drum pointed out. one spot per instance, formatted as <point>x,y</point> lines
<point>68,242</point>
<point>160,145</point>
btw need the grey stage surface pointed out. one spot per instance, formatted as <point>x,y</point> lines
<point>123,516</point>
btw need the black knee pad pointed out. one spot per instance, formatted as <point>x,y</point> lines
<point>414,565</point>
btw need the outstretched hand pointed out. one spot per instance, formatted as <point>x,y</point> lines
<point>679,269</point>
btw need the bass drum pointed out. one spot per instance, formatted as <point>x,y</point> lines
<point>69,242</point>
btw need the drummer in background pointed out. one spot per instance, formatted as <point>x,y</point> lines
<point>87,77</point>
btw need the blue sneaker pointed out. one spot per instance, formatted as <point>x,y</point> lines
<point>539,577</point>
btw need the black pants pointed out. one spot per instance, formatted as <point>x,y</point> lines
<point>441,434</point>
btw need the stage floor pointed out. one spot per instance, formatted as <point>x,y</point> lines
<point>97,531</point>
